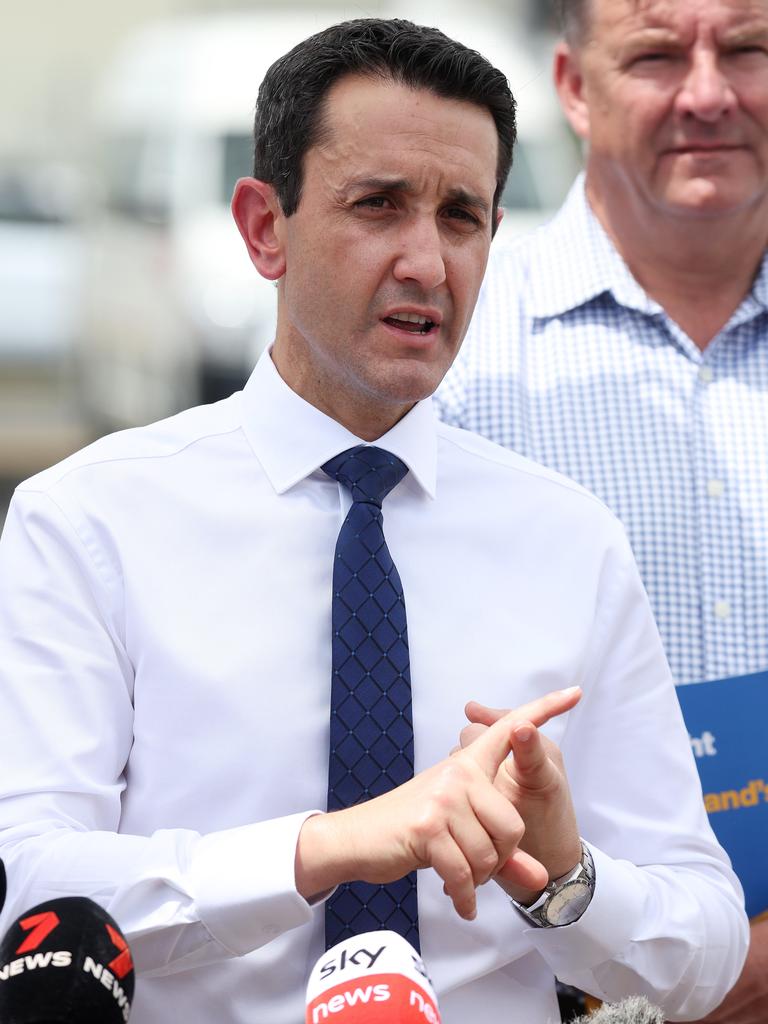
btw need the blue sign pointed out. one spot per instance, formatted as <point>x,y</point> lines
<point>727,722</point>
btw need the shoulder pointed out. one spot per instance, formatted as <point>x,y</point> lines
<point>506,476</point>
<point>515,256</point>
<point>518,268</point>
<point>146,449</point>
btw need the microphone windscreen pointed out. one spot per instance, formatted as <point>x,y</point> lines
<point>373,978</point>
<point>65,962</point>
<point>634,1010</point>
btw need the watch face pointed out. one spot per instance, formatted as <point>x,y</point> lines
<point>569,903</point>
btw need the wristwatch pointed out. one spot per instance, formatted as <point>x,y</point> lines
<point>566,898</point>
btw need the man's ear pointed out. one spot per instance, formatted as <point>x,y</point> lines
<point>258,215</point>
<point>569,82</point>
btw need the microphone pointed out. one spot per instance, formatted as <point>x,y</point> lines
<point>65,962</point>
<point>634,1010</point>
<point>373,978</point>
<point>3,884</point>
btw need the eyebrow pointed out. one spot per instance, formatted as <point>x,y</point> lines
<point>460,195</point>
<point>745,34</point>
<point>454,195</point>
<point>667,37</point>
<point>651,37</point>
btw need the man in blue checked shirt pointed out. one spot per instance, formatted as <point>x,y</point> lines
<point>625,343</point>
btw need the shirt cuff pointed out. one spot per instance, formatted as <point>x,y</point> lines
<point>606,926</point>
<point>244,883</point>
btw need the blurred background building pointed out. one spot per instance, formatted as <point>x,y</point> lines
<point>125,293</point>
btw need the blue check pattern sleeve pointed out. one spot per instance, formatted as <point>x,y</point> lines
<point>569,362</point>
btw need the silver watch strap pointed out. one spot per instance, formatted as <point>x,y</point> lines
<point>580,883</point>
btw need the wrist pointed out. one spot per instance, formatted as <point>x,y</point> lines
<point>320,862</point>
<point>558,867</point>
<point>565,898</point>
<point>565,860</point>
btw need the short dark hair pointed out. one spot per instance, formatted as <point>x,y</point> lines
<point>290,105</point>
<point>573,15</point>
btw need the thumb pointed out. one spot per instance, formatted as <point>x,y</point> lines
<point>493,746</point>
<point>481,714</point>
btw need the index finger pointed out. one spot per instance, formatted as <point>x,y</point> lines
<point>481,714</point>
<point>489,750</point>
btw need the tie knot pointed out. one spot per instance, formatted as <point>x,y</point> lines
<point>368,473</point>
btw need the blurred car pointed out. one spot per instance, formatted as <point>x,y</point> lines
<point>41,257</point>
<point>41,278</point>
<point>175,313</point>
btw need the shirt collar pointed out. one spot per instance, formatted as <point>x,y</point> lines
<point>292,439</point>
<point>586,264</point>
<point>760,287</point>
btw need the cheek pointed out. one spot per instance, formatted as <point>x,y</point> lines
<point>465,276</point>
<point>628,118</point>
<point>754,103</point>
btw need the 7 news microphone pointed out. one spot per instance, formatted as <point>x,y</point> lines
<point>65,962</point>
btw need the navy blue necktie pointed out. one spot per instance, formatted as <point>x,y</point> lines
<point>371,747</point>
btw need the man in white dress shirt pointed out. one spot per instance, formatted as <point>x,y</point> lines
<point>165,619</point>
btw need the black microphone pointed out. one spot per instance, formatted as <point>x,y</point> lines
<point>65,962</point>
<point>634,1010</point>
<point>3,884</point>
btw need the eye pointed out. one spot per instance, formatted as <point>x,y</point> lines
<point>749,51</point>
<point>652,57</point>
<point>374,203</point>
<point>462,215</point>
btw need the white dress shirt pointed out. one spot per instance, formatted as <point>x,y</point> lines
<point>165,607</point>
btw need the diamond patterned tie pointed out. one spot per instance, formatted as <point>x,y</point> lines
<point>371,748</point>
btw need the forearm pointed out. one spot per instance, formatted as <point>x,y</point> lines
<point>182,899</point>
<point>678,935</point>
<point>747,1000</point>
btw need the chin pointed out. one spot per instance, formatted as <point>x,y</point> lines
<point>709,197</point>
<point>406,385</point>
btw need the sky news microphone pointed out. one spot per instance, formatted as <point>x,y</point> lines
<point>634,1010</point>
<point>65,962</point>
<point>373,978</point>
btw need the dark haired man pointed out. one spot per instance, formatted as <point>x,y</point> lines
<point>171,614</point>
<point>626,343</point>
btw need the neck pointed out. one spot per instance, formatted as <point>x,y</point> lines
<point>365,416</point>
<point>699,269</point>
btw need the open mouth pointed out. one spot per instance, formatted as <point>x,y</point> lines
<point>411,323</point>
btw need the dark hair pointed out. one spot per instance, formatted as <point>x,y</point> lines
<point>290,105</point>
<point>573,16</point>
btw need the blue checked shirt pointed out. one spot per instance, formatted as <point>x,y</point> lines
<point>569,362</point>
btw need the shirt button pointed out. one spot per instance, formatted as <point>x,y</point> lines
<point>715,488</point>
<point>705,374</point>
<point>722,609</point>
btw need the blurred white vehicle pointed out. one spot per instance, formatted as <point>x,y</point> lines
<point>175,311</point>
<point>41,264</point>
<point>40,267</point>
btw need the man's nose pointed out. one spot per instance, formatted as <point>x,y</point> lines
<point>707,92</point>
<point>421,256</point>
